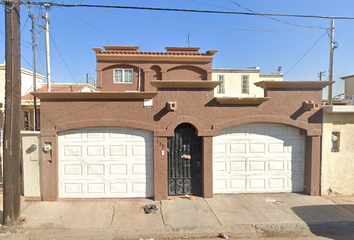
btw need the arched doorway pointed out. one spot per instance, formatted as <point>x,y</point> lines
<point>184,161</point>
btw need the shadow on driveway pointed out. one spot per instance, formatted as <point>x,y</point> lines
<point>331,221</point>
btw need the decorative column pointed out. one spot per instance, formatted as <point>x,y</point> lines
<point>147,85</point>
<point>207,167</point>
<point>160,168</point>
<point>99,79</point>
<point>50,185</point>
<point>313,165</point>
<point>163,75</point>
<point>209,75</point>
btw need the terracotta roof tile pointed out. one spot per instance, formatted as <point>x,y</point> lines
<point>157,53</point>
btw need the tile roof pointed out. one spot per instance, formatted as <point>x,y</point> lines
<point>157,53</point>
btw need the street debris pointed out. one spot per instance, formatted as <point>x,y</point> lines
<point>150,209</point>
<point>188,197</point>
<point>146,238</point>
<point>275,201</point>
<point>223,235</point>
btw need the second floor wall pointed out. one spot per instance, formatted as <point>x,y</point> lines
<point>124,69</point>
<point>240,82</point>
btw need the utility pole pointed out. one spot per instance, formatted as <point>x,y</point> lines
<point>330,69</point>
<point>320,74</point>
<point>34,74</point>
<point>46,30</point>
<point>12,126</point>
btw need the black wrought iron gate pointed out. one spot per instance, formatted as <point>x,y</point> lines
<point>184,161</point>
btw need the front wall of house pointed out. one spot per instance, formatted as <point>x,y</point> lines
<point>337,164</point>
<point>194,106</point>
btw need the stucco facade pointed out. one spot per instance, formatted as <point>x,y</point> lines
<point>233,81</point>
<point>179,82</point>
<point>26,86</point>
<point>337,151</point>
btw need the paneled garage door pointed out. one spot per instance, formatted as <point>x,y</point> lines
<point>105,163</point>
<point>256,158</point>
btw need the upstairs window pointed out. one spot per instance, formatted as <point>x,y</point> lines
<point>123,75</point>
<point>221,87</point>
<point>245,84</point>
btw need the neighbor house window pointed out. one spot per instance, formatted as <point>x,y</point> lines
<point>221,87</point>
<point>26,120</point>
<point>123,75</point>
<point>245,84</point>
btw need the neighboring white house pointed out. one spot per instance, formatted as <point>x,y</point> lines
<point>348,85</point>
<point>26,81</point>
<point>26,86</point>
<point>337,143</point>
<point>240,82</point>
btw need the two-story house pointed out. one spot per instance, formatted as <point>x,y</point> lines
<point>155,129</point>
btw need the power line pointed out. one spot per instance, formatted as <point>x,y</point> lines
<point>304,54</point>
<point>62,58</point>
<point>95,28</point>
<point>24,25</point>
<point>195,26</point>
<point>275,19</point>
<point>26,61</point>
<point>281,21</point>
<point>51,4</point>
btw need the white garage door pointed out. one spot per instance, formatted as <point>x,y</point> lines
<point>256,158</point>
<point>105,163</point>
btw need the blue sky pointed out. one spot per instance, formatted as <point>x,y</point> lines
<point>75,31</point>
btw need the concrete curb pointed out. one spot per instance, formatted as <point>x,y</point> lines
<point>239,230</point>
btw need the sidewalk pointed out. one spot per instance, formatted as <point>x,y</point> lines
<point>242,215</point>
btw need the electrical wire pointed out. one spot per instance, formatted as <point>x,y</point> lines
<point>305,54</point>
<point>275,19</point>
<point>286,22</point>
<point>194,26</point>
<point>26,61</point>
<point>40,60</point>
<point>95,27</point>
<point>62,58</point>
<point>183,10</point>
<point>24,24</point>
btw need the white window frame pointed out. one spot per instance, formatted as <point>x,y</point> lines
<point>125,77</point>
<point>245,88</point>
<point>221,87</point>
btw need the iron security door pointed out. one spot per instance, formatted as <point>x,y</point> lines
<point>184,161</point>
